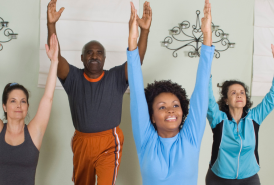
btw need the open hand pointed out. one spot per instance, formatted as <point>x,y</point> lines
<point>133,25</point>
<point>272,47</point>
<point>52,15</point>
<point>133,29</point>
<point>206,20</point>
<point>145,21</point>
<point>52,51</point>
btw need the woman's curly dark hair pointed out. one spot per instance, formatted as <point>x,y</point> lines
<point>223,96</point>
<point>158,87</point>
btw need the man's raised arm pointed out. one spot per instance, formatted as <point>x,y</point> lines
<point>52,17</point>
<point>144,23</point>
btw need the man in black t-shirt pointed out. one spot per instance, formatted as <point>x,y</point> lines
<point>95,97</point>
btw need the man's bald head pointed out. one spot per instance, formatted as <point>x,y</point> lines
<point>93,42</point>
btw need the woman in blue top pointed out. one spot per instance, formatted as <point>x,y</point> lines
<point>235,129</point>
<point>168,145</point>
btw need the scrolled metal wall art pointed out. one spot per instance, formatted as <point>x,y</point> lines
<point>7,32</point>
<point>194,39</point>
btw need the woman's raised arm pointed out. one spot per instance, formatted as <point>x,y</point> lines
<point>38,124</point>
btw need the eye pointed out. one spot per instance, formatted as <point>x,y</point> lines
<point>176,105</point>
<point>163,107</point>
<point>12,101</point>
<point>233,93</point>
<point>242,93</point>
<point>23,101</point>
<point>100,52</point>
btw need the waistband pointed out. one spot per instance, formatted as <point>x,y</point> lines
<point>109,132</point>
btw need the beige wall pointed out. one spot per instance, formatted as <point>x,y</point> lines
<point>19,62</point>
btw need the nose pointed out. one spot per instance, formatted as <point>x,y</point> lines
<point>18,105</point>
<point>94,55</point>
<point>170,110</point>
<point>239,95</point>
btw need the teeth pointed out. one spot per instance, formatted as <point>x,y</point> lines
<point>170,118</point>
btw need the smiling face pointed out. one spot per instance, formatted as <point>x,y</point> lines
<point>17,105</point>
<point>93,57</point>
<point>167,114</point>
<point>236,96</point>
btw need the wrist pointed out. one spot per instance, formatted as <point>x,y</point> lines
<point>132,39</point>
<point>54,60</point>
<point>132,44</point>
<point>207,34</point>
<point>51,23</point>
<point>145,30</point>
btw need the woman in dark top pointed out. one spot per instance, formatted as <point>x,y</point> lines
<point>20,143</point>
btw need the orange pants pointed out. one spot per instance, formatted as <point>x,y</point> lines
<point>97,154</point>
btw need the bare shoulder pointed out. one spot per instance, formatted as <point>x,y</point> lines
<point>1,125</point>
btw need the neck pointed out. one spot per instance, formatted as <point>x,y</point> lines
<point>165,134</point>
<point>236,113</point>
<point>93,75</point>
<point>15,126</point>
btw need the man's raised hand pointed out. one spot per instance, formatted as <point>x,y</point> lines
<point>52,15</point>
<point>52,51</point>
<point>145,21</point>
<point>133,29</point>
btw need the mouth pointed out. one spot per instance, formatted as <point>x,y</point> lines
<point>94,61</point>
<point>239,101</point>
<point>171,118</point>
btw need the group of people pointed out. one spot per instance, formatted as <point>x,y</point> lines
<point>167,126</point>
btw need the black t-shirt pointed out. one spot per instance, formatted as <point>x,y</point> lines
<point>95,106</point>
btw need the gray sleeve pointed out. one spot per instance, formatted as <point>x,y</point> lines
<point>120,77</point>
<point>72,78</point>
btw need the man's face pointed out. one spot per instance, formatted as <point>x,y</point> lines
<point>93,57</point>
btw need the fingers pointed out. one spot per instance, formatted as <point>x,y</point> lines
<point>61,10</point>
<point>47,48</point>
<point>147,9</point>
<point>132,10</point>
<point>207,8</point>
<point>56,42</point>
<point>150,10</point>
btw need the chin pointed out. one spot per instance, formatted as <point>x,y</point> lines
<point>174,128</point>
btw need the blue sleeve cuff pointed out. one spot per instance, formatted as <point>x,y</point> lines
<point>208,48</point>
<point>132,53</point>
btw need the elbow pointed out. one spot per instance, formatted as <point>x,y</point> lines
<point>47,99</point>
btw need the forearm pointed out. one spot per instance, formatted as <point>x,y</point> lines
<point>207,39</point>
<point>138,105</point>
<point>142,44</point>
<point>199,98</point>
<point>132,43</point>
<point>51,81</point>
<point>52,30</point>
<point>212,100</point>
<point>213,107</point>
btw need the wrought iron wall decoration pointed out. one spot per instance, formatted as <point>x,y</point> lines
<point>7,32</point>
<point>196,39</point>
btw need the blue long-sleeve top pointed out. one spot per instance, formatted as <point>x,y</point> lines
<point>235,146</point>
<point>169,160</point>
